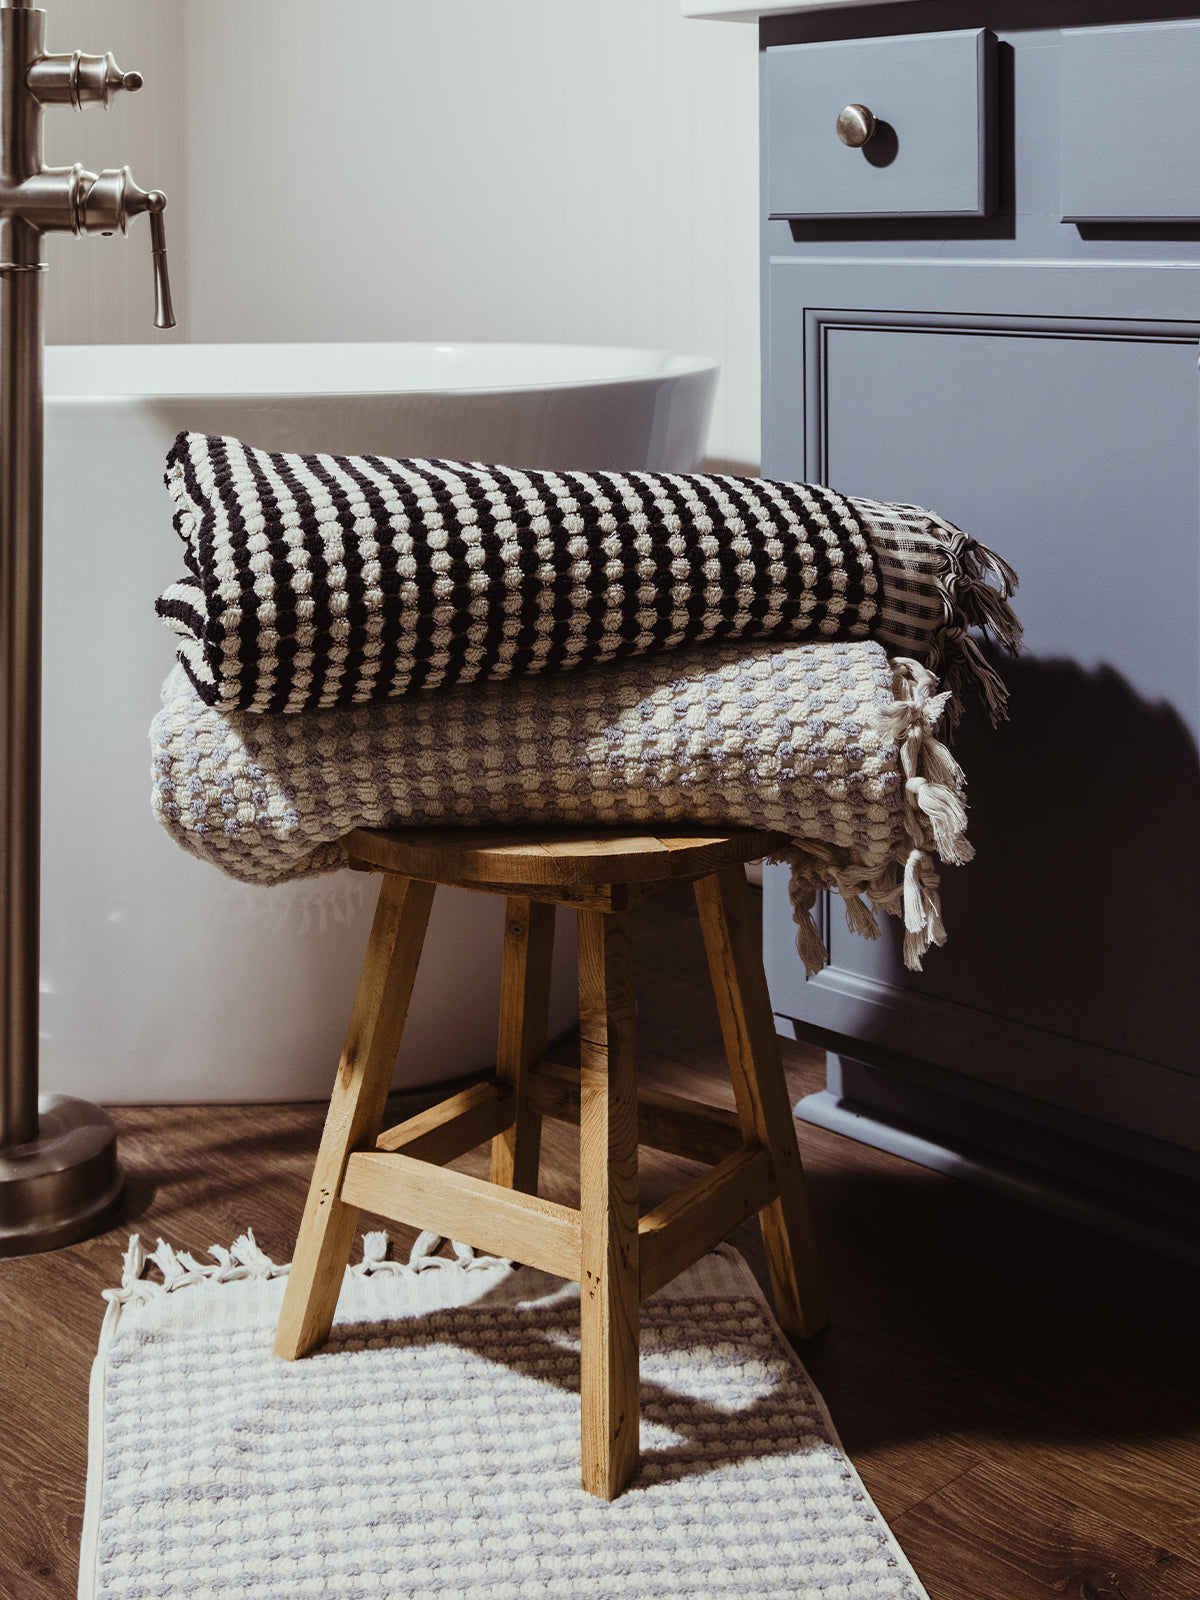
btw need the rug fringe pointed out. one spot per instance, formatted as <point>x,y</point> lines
<point>935,817</point>
<point>179,1269</point>
<point>245,1260</point>
<point>421,1257</point>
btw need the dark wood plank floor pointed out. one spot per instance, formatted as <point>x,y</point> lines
<point>1019,1395</point>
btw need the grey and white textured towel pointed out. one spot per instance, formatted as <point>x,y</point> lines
<point>319,581</point>
<point>831,745</point>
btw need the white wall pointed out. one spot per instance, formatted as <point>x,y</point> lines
<point>574,170</point>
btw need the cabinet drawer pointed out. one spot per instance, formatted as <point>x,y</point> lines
<point>932,153</point>
<point>1131,123</point>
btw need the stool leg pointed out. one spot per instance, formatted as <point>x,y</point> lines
<point>355,1113</point>
<point>752,1046</point>
<point>608,1204</point>
<point>524,1023</point>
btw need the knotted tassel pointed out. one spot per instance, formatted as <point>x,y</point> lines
<point>947,817</point>
<point>984,608</point>
<point>969,601</point>
<point>938,765</point>
<point>973,667</point>
<point>860,918</point>
<point>810,947</point>
<point>1005,576</point>
<point>922,909</point>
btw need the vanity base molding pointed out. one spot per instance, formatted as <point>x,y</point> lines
<point>1127,1197</point>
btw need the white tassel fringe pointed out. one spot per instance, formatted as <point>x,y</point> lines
<point>244,1260</point>
<point>935,818</point>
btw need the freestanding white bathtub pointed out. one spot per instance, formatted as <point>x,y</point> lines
<point>162,980</point>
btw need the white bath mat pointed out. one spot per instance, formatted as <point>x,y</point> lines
<point>432,1448</point>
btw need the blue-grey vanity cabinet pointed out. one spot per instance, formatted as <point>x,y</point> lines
<point>1033,378</point>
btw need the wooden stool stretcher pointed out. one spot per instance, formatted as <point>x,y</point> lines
<point>617,1257</point>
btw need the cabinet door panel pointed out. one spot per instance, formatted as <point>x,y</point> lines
<point>1053,448</point>
<point>1072,447</point>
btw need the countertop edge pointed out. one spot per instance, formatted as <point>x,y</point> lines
<point>723,11</point>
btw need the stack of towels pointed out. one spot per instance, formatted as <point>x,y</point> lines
<point>374,642</point>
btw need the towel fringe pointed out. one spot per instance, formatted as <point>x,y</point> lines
<point>810,946</point>
<point>970,601</point>
<point>922,909</point>
<point>860,918</point>
<point>935,817</point>
<point>245,1260</point>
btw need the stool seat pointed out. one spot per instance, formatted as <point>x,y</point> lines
<point>616,1256</point>
<point>546,858</point>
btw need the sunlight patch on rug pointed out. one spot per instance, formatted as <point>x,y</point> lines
<point>432,1447</point>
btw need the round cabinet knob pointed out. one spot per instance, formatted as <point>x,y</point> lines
<point>855,125</point>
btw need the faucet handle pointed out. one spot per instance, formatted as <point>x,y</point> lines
<point>107,204</point>
<point>155,202</point>
<point>164,315</point>
<point>76,79</point>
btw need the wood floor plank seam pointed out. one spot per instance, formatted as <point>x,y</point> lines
<point>931,1494</point>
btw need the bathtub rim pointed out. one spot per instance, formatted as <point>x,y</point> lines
<point>674,367</point>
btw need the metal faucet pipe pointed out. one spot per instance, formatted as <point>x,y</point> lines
<point>59,1175</point>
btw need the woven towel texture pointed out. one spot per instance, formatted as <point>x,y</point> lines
<point>432,1450</point>
<point>318,581</point>
<point>788,739</point>
<point>827,744</point>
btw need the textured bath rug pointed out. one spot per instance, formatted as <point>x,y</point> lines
<point>432,1448</point>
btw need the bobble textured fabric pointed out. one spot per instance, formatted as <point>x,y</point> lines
<point>431,1451</point>
<point>320,581</point>
<point>816,742</point>
<point>737,631</point>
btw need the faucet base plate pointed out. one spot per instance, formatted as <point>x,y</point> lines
<point>63,1186</point>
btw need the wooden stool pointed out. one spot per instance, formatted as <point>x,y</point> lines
<point>616,1257</point>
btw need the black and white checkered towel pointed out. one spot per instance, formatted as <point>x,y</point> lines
<point>322,581</point>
